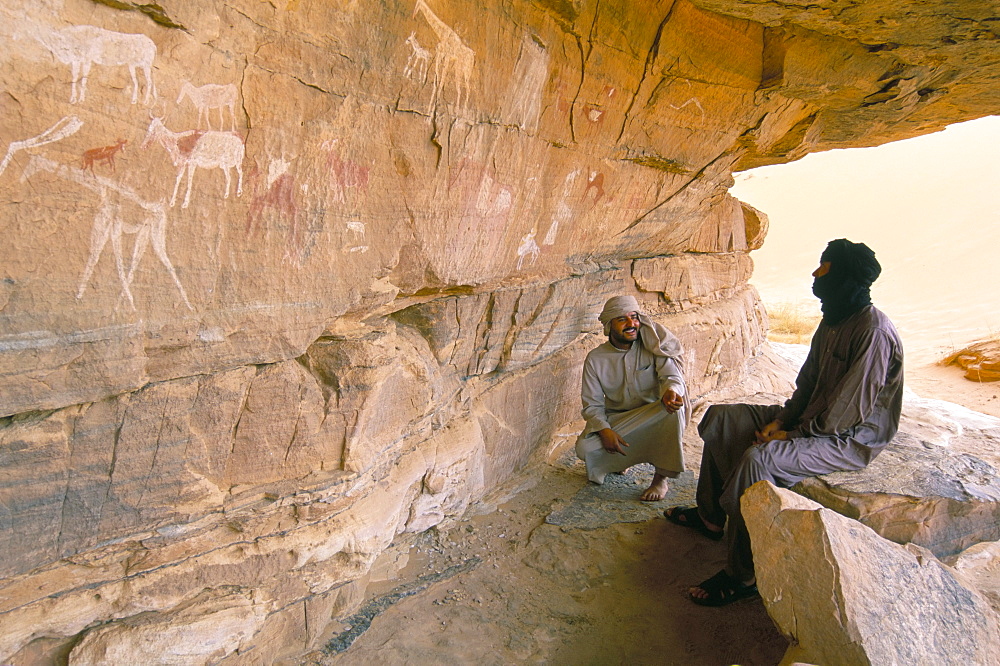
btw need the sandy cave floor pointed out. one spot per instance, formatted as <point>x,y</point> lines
<point>555,570</point>
<point>551,569</point>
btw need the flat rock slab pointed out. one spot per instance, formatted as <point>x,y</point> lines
<point>935,485</point>
<point>914,492</point>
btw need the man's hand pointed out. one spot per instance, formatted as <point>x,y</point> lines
<point>769,433</point>
<point>672,400</point>
<point>612,441</point>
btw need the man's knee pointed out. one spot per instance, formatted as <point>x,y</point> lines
<point>585,445</point>
<point>709,420</point>
<point>756,461</point>
<point>712,426</point>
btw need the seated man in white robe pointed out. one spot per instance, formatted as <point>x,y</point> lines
<point>634,399</point>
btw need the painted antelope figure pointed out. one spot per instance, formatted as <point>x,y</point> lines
<point>195,148</point>
<point>105,154</point>
<point>418,60</point>
<point>81,46</point>
<point>211,96</point>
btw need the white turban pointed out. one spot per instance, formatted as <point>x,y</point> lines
<point>656,338</point>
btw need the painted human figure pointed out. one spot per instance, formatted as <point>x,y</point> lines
<point>845,409</point>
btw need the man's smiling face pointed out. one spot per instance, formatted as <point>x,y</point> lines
<point>624,330</point>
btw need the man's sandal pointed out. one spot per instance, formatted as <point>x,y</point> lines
<point>689,517</point>
<point>722,590</point>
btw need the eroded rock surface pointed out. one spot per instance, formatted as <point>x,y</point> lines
<point>848,596</point>
<point>981,361</point>
<point>283,280</point>
<point>912,493</point>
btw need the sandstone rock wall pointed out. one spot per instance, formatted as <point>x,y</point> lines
<point>282,280</point>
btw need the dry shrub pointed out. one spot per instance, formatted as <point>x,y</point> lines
<point>791,323</point>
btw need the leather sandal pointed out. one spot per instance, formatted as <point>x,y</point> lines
<point>689,517</point>
<point>723,590</point>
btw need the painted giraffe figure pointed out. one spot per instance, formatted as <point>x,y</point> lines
<point>110,225</point>
<point>451,58</point>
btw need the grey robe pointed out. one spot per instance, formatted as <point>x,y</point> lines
<point>844,411</point>
<point>622,390</point>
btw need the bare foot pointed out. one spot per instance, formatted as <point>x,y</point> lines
<point>697,593</point>
<point>657,489</point>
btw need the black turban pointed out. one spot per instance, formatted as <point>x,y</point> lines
<point>852,261</point>
<point>845,288</point>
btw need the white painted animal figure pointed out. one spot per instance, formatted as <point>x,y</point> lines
<point>82,46</point>
<point>528,247</point>
<point>357,228</point>
<point>65,127</point>
<point>212,96</point>
<point>451,57</point>
<point>111,225</point>
<point>419,58</point>
<point>194,148</point>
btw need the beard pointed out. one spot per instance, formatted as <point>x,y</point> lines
<point>622,339</point>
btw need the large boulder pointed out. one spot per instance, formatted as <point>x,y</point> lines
<point>847,596</point>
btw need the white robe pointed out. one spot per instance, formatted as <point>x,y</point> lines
<point>622,390</point>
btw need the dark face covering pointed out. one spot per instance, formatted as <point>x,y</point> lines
<point>845,289</point>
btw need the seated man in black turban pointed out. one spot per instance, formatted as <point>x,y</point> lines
<point>844,410</point>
